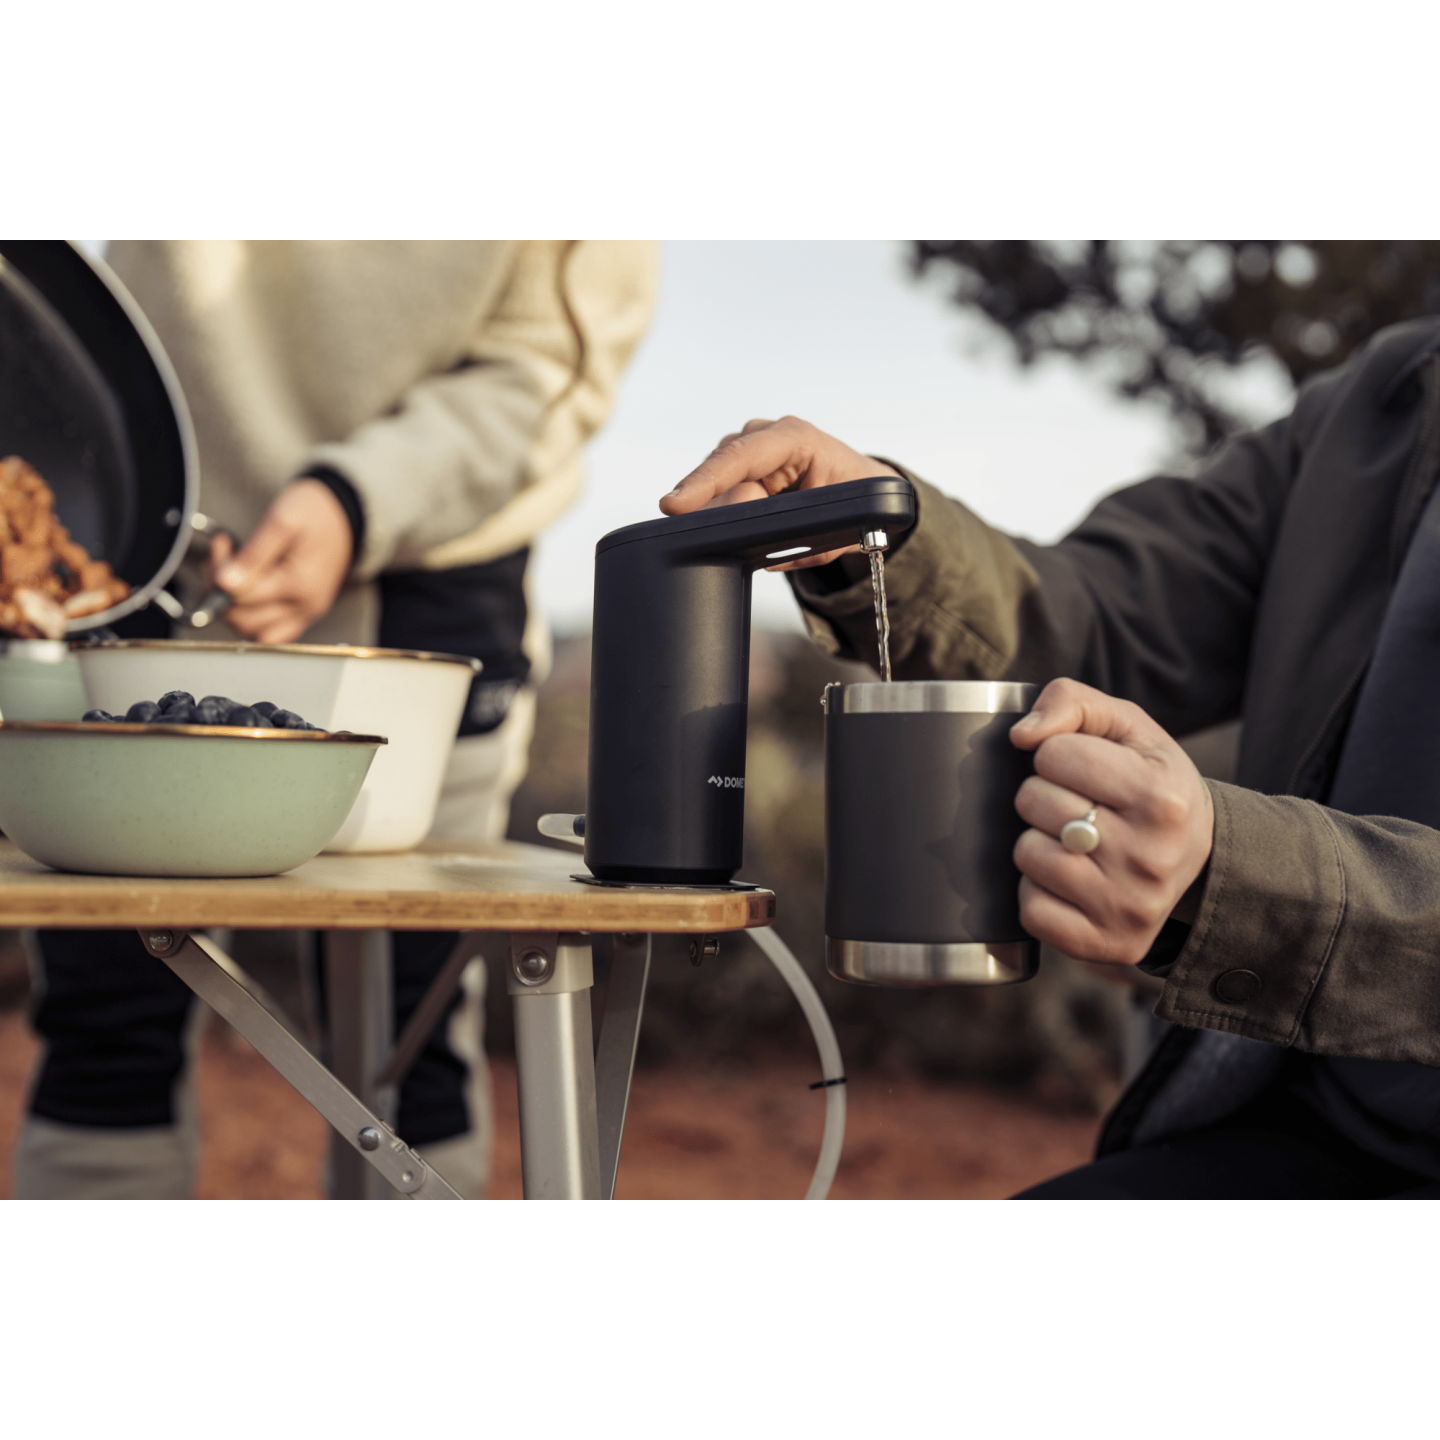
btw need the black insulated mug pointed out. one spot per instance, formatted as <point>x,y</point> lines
<point>920,884</point>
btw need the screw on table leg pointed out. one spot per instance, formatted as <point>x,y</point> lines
<point>534,967</point>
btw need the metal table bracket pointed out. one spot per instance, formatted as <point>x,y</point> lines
<point>218,981</point>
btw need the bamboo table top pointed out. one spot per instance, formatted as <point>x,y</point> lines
<point>440,886</point>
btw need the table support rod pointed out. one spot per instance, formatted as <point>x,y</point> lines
<point>421,1025</point>
<point>212,975</point>
<point>615,1049</point>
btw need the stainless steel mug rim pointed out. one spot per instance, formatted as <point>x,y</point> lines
<point>992,697</point>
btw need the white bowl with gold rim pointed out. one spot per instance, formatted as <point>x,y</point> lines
<point>414,698</point>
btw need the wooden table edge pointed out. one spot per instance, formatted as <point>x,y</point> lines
<point>546,898</point>
<point>407,911</point>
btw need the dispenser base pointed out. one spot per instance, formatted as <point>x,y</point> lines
<point>880,962</point>
<point>658,885</point>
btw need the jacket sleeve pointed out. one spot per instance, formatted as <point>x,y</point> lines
<point>1333,921</point>
<point>476,458</point>
<point>1152,596</point>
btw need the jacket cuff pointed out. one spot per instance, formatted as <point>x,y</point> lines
<point>948,561</point>
<point>1267,922</point>
<point>348,496</point>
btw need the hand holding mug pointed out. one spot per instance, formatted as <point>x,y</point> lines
<point>1153,820</point>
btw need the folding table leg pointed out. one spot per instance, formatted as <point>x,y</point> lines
<point>359,994</point>
<point>218,981</point>
<point>550,977</point>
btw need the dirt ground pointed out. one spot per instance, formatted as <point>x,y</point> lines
<point>711,1134</point>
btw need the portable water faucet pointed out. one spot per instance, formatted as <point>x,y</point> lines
<point>670,673</point>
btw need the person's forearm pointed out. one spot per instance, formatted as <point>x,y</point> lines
<point>1316,930</point>
<point>1151,598</point>
<point>955,588</point>
<point>462,445</point>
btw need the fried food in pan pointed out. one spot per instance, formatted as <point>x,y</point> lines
<point>46,579</point>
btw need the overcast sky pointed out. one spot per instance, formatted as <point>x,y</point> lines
<point>837,333</point>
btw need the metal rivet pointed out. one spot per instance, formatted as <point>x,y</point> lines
<point>533,967</point>
<point>406,1176</point>
<point>369,1138</point>
<point>161,939</point>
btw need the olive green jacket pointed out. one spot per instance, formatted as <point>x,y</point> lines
<point>1254,590</point>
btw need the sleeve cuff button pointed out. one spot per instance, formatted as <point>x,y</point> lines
<point>1235,987</point>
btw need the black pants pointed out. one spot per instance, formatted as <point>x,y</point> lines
<point>113,1021</point>
<point>1276,1148</point>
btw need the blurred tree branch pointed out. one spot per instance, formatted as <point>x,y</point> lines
<point>1173,320</point>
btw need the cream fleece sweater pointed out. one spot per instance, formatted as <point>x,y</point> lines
<point>453,383</point>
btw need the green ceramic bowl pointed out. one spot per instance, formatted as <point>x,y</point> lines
<point>40,680</point>
<point>176,800</point>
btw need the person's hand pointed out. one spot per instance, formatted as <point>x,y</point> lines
<point>1153,812</point>
<point>287,574</point>
<point>764,458</point>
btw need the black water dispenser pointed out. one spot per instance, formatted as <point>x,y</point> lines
<point>670,668</point>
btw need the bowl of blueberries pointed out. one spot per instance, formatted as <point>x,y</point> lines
<point>416,698</point>
<point>179,787</point>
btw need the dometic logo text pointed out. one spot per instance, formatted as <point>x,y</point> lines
<point>727,782</point>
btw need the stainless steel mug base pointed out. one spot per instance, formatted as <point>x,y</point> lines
<point>879,962</point>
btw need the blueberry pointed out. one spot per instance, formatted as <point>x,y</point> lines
<point>96,715</point>
<point>265,707</point>
<point>171,698</point>
<point>286,720</point>
<point>213,710</point>
<point>142,712</point>
<point>244,715</point>
<point>179,715</point>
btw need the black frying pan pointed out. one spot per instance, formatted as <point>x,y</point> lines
<point>89,399</point>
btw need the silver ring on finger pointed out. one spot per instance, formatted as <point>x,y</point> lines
<point>1081,836</point>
